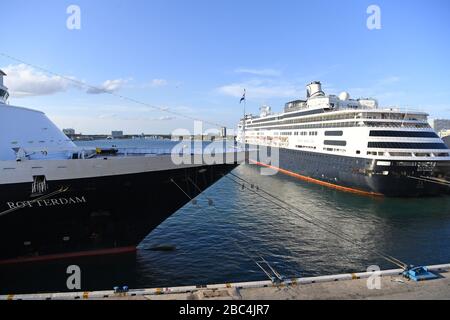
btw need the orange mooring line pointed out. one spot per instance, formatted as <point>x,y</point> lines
<point>316,181</point>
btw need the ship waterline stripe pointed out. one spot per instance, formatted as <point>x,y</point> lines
<point>319,182</point>
<point>90,253</point>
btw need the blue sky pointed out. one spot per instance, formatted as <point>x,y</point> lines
<point>195,57</point>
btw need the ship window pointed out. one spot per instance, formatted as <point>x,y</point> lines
<point>335,143</point>
<point>409,134</point>
<point>406,145</point>
<point>406,164</point>
<point>358,152</point>
<point>400,154</point>
<point>334,133</point>
<point>423,155</point>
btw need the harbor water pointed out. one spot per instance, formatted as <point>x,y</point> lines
<point>216,239</point>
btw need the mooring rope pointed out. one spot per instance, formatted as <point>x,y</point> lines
<point>431,180</point>
<point>275,278</point>
<point>314,221</point>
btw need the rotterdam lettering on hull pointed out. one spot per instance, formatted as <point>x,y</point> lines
<point>46,202</point>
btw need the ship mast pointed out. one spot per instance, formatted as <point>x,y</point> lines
<point>244,99</point>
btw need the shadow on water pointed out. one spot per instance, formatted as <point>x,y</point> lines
<point>96,273</point>
<point>415,230</point>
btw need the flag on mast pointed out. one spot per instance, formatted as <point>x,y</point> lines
<point>243,97</point>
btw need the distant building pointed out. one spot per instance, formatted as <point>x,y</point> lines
<point>223,132</point>
<point>117,134</point>
<point>444,133</point>
<point>69,132</point>
<point>441,125</point>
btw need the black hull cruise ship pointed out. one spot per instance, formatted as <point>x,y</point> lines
<point>350,145</point>
<point>58,200</point>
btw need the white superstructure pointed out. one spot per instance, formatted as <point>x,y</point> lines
<point>26,133</point>
<point>340,125</point>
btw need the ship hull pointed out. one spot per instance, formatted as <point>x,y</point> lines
<point>97,215</point>
<point>363,176</point>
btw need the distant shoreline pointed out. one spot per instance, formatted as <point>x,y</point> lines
<point>92,137</point>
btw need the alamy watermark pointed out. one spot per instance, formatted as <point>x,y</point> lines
<point>74,280</point>
<point>374,281</point>
<point>374,19</point>
<point>73,21</point>
<point>191,149</point>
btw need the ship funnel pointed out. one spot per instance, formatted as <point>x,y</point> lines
<point>314,89</point>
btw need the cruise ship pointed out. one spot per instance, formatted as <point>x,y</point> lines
<point>58,200</point>
<point>351,145</point>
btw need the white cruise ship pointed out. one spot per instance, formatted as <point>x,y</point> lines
<point>352,145</point>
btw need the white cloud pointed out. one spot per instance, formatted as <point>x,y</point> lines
<point>158,83</point>
<point>25,81</point>
<point>107,116</point>
<point>260,89</point>
<point>166,118</point>
<point>264,88</point>
<point>126,117</point>
<point>259,72</point>
<point>109,86</point>
<point>385,88</point>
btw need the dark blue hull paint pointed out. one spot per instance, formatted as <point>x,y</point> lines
<point>400,179</point>
<point>96,213</point>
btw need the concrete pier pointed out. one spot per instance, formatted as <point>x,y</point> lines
<point>392,285</point>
